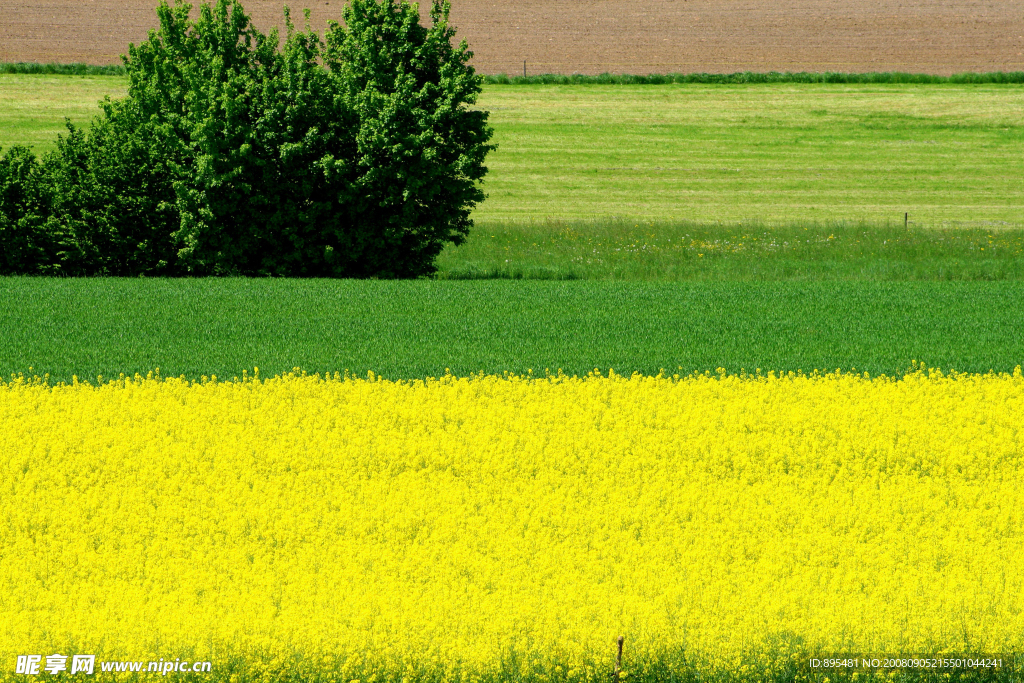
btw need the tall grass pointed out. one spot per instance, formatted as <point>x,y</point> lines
<point>53,68</point>
<point>687,250</point>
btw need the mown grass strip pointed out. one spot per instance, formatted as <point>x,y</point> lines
<point>789,153</point>
<point>410,329</point>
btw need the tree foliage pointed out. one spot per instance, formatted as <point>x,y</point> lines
<point>353,155</point>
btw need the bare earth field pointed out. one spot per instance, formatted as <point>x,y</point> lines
<point>596,36</point>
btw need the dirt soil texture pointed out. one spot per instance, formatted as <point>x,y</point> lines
<point>615,36</point>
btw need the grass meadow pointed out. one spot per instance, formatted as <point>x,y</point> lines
<point>949,155</point>
<point>781,181</point>
<point>743,251</point>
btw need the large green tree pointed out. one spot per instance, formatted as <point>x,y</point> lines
<point>358,154</point>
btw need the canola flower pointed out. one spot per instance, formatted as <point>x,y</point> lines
<point>485,528</point>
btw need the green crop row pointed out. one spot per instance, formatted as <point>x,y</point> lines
<point>408,329</point>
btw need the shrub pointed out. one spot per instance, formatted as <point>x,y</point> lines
<point>355,155</point>
<point>110,199</point>
<point>23,243</point>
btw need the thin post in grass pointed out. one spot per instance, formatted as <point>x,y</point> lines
<point>906,220</point>
<point>618,661</point>
<point>524,68</point>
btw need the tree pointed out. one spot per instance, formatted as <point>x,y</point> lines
<point>358,155</point>
<point>419,149</point>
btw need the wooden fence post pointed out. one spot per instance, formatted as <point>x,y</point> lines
<point>618,661</point>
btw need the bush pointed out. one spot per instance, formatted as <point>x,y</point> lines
<point>352,156</point>
<point>23,243</point>
<point>110,200</point>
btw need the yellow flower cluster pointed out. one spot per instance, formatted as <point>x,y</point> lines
<point>470,525</point>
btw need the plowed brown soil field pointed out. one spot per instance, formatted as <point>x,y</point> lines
<point>617,36</point>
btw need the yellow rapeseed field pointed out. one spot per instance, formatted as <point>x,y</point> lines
<point>465,528</point>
